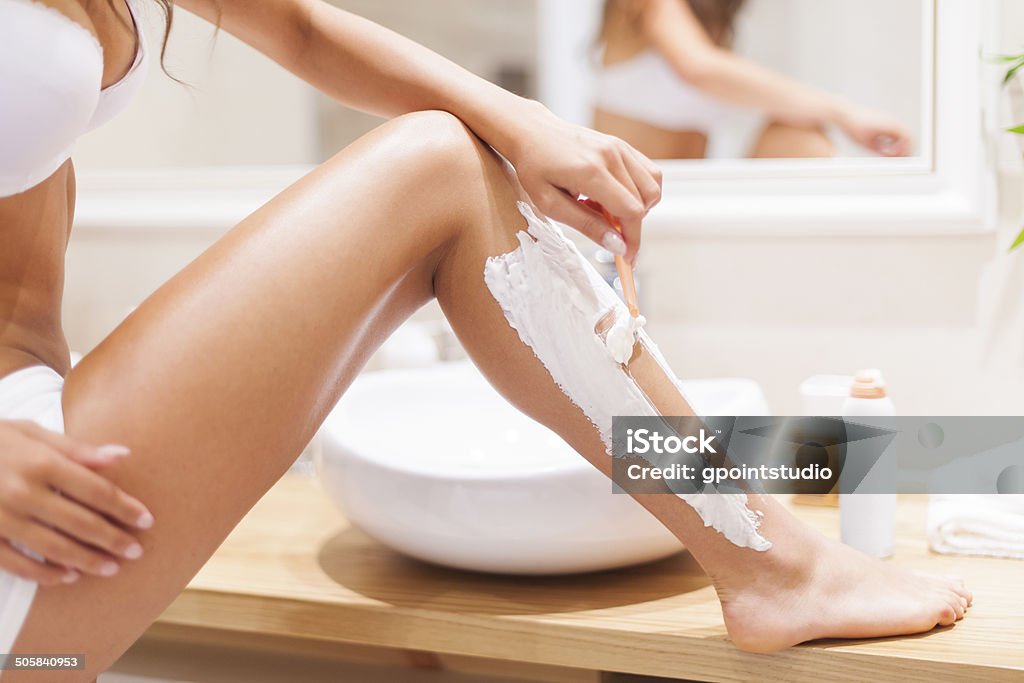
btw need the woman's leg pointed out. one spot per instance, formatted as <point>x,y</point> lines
<point>222,376</point>
<point>782,141</point>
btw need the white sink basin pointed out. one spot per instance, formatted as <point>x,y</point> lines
<point>435,464</point>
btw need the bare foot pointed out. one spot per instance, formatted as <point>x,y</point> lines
<point>828,590</point>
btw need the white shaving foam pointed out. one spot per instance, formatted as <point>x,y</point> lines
<point>622,337</point>
<point>554,299</point>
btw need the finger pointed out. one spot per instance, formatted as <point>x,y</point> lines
<point>85,454</point>
<point>59,549</point>
<point>85,526</point>
<point>906,144</point>
<point>621,204</point>
<point>620,171</point>
<point>559,206</point>
<point>100,494</point>
<point>886,145</point>
<point>74,449</point>
<point>25,567</point>
<point>892,143</point>
<point>647,181</point>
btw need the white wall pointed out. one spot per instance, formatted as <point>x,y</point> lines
<point>489,37</point>
<point>238,107</point>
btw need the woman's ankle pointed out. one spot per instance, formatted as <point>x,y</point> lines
<point>792,561</point>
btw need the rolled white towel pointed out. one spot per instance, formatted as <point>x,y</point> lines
<point>990,525</point>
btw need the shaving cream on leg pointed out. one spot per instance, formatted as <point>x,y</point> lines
<point>555,300</point>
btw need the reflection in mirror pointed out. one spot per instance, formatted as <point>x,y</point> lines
<point>694,79</point>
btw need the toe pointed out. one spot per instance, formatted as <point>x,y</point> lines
<point>958,604</point>
<point>947,616</point>
<point>957,585</point>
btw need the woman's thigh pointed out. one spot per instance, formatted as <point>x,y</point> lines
<point>219,379</point>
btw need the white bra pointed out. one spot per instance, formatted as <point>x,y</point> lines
<point>646,88</point>
<point>51,75</point>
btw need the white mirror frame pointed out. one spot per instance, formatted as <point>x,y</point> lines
<point>949,189</point>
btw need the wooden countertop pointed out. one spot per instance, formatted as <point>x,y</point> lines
<point>295,568</point>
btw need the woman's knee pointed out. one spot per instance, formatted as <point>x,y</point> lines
<point>447,159</point>
<point>431,143</point>
<point>432,161</point>
<point>780,140</point>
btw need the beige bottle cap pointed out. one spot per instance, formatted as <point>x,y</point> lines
<point>868,384</point>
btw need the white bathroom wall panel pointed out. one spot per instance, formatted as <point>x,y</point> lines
<point>492,38</point>
<point>235,108</point>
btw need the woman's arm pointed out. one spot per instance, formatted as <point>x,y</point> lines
<point>673,29</point>
<point>373,69</point>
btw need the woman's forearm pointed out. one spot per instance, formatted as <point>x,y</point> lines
<point>736,80</point>
<point>368,67</point>
<point>674,31</point>
<point>373,69</point>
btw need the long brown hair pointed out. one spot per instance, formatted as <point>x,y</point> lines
<point>167,7</point>
<point>717,16</point>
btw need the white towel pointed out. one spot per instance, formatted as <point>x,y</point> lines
<point>990,525</point>
<point>30,394</point>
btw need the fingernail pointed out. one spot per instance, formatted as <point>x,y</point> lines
<point>113,450</point>
<point>613,243</point>
<point>133,552</point>
<point>108,569</point>
<point>144,521</point>
<point>70,576</point>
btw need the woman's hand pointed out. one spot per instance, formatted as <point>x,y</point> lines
<point>880,133</point>
<point>53,504</point>
<point>558,161</point>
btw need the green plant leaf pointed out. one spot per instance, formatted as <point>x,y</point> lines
<point>1018,242</point>
<point>1013,72</point>
<point>1008,58</point>
<point>1019,130</point>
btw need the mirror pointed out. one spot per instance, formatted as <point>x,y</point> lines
<point>869,61</point>
<point>875,53</point>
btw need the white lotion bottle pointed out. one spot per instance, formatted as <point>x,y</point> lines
<point>867,521</point>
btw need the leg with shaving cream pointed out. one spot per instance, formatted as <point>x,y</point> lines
<point>780,582</point>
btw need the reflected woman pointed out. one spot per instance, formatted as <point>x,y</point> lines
<point>670,83</point>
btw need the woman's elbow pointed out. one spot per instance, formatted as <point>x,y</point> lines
<point>699,68</point>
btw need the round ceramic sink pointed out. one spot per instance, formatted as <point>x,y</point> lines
<point>437,465</point>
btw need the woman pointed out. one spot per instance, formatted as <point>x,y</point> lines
<point>218,380</point>
<point>670,85</point>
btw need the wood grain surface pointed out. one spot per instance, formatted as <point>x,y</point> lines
<point>297,570</point>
